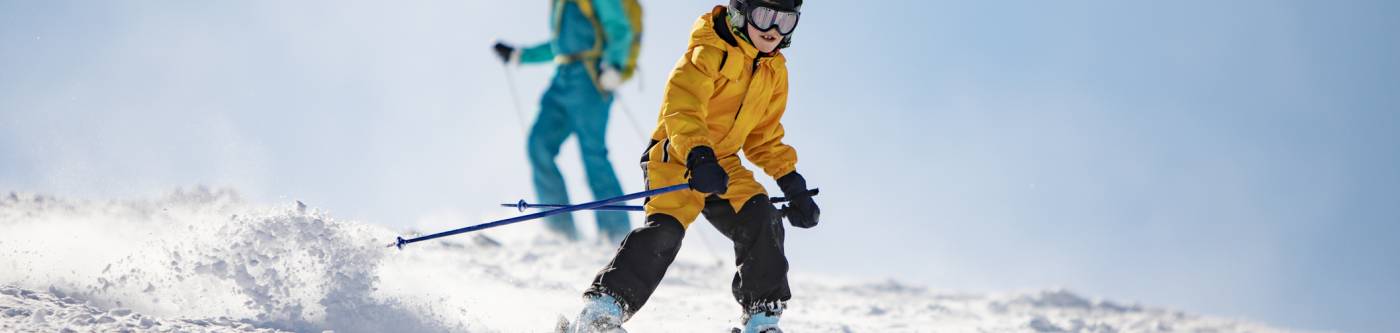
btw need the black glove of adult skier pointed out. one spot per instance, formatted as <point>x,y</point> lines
<point>503,51</point>
<point>706,175</point>
<point>802,211</point>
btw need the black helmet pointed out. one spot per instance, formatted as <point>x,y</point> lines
<point>783,5</point>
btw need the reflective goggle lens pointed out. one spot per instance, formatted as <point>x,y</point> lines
<point>764,18</point>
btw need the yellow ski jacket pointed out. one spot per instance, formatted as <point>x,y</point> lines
<point>726,95</point>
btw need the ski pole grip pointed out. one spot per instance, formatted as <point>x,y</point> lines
<point>776,200</point>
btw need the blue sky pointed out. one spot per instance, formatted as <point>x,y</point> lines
<point>1231,158</point>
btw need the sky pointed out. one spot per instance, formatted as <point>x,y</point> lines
<point>1232,158</point>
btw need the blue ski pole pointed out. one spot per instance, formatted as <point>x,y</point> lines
<point>400,242</point>
<point>522,205</point>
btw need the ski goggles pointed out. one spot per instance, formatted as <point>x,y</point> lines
<point>765,19</point>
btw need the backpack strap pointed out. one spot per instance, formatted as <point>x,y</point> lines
<point>592,54</point>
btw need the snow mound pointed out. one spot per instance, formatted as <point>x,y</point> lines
<point>205,260</point>
<point>205,254</point>
<point>23,310</point>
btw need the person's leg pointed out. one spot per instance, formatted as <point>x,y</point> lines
<point>646,253</point>
<point>590,122</point>
<point>551,127</point>
<point>640,263</point>
<point>757,231</point>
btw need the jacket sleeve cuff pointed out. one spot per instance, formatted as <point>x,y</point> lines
<point>539,53</point>
<point>684,144</point>
<point>781,171</point>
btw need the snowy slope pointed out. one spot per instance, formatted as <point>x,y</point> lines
<point>206,260</point>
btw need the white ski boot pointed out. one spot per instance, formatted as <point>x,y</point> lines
<point>600,315</point>
<point>762,321</point>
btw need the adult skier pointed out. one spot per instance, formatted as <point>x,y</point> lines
<point>727,94</point>
<point>591,43</point>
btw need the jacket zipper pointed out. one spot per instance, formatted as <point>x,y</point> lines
<point>753,72</point>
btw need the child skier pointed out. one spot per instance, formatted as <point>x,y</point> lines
<point>726,94</point>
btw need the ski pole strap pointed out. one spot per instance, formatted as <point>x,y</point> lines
<point>400,242</point>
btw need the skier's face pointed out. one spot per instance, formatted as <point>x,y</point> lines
<point>766,42</point>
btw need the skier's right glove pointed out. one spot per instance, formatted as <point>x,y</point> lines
<point>706,176</point>
<point>508,54</point>
<point>802,211</point>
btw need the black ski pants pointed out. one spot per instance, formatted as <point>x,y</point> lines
<point>756,230</point>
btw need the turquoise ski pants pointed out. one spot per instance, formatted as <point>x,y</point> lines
<point>572,105</point>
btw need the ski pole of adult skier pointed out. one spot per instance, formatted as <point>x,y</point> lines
<point>591,43</point>
<point>727,94</point>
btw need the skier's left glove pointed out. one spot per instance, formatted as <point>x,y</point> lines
<point>802,211</point>
<point>609,78</point>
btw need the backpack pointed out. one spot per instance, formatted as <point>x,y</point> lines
<point>633,10</point>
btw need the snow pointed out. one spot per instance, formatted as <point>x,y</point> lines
<point>205,260</point>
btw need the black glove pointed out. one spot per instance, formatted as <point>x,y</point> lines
<point>802,211</point>
<point>706,175</point>
<point>504,51</point>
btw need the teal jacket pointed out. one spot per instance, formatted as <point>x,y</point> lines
<point>574,33</point>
